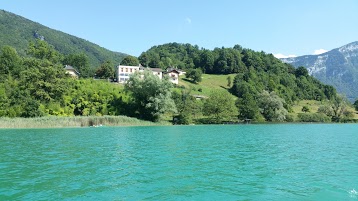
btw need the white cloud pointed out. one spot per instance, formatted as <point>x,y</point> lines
<point>188,20</point>
<point>282,56</point>
<point>320,51</point>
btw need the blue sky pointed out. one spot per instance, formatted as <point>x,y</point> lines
<point>287,27</point>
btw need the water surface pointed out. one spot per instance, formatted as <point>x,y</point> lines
<point>235,162</point>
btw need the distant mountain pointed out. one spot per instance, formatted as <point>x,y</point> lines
<point>17,31</point>
<point>338,67</point>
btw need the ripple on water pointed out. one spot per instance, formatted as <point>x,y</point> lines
<point>240,162</point>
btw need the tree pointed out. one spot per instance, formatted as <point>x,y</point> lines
<point>271,106</point>
<point>130,61</point>
<point>194,75</point>
<point>339,107</point>
<point>220,106</point>
<point>248,108</point>
<point>355,104</point>
<point>106,70</point>
<point>188,107</point>
<point>151,95</point>
<point>301,71</point>
<point>305,109</point>
<point>10,61</point>
<point>80,62</point>
<point>336,109</point>
<point>42,50</point>
<point>229,81</point>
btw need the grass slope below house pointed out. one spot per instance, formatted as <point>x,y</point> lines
<point>78,121</point>
<point>209,82</point>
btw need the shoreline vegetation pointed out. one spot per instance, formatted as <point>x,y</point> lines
<point>76,121</point>
<point>99,121</point>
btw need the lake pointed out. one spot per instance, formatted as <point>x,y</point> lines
<point>216,162</point>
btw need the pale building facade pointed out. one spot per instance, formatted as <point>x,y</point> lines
<point>124,72</point>
<point>173,76</point>
<point>71,71</point>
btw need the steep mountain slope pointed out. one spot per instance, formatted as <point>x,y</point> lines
<point>17,31</point>
<point>338,67</point>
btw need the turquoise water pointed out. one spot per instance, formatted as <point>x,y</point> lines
<point>235,162</point>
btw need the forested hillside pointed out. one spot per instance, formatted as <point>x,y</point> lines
<point>37,85</point>
<point>266,87</point>
<point>257,70</point>
<point>17,32</point>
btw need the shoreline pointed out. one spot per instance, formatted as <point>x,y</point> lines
<point>110,121</point>
<point>73,122</point>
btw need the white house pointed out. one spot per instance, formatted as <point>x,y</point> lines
<point>173,75</point>
<point>71,71</point>
<point>123,72</point>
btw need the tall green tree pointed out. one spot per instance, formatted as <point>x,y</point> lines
<point>80,62</point>
<point>194,74</point>
<point>151,95</point>
<point>220,106</point>
<point>10,62</point>
<point>130,61</point>
<point>42,50</point>
<point>229,81</point>
<point>106,70</point>
<point>248,109</point>
<point>188,107</point>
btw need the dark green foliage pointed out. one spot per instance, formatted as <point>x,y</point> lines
<point>305,109</point>
<point>220,107</point>
<point>356,105</point>
<point>248,108</point>
<point>151,95</point>
<point>256,72</point>
<point>80,62</point>
<point>9,61</point>
<point>106,70</point>
<point>313,117</point>
<point>301,71</point>
<point>17,32</point>
<point>194,75</point>
<point>186,56</point>
<point>130,61</point>
<point>187,106</point>
<point>229,81</point>
<point>38,86</point>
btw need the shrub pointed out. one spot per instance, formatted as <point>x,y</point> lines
<point>313,117</point>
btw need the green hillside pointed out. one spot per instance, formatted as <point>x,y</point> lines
<point>16,31</point>
<point>212,82</point>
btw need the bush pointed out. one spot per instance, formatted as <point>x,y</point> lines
<point>313,117</point>
<point>290,118</point>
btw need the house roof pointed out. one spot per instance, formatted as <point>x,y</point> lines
<point>70,68</point>
<point>156,69</point>
<point>172,70</point>
<point>151,69</point>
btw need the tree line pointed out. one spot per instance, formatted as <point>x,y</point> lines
<point>265,89</point>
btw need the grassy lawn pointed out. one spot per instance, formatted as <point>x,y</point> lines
<point>209,82</point>
<point>313,106</point>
